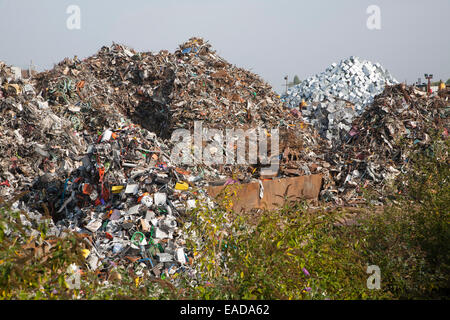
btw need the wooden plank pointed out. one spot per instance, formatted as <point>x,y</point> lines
<point>276,192</point>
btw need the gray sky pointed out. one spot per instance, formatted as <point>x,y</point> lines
<point>271,38</point>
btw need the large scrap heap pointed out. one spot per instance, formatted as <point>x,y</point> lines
<point>88,143</point>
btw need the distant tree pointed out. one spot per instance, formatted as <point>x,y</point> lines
<point>448,82</point>
<point>295,82</point>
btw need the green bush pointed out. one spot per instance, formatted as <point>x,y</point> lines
<point>410,240</point>
<point>291,253</point>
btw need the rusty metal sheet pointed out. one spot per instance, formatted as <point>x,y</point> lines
<point>276,192</point>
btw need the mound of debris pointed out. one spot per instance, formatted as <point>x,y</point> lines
<point>86,144</point>
<point>166,91</point>
<point>116,187</point>
<point>378,146</point>
<point>34,140</point>
<point>336,96</point>
<point>354,80</point>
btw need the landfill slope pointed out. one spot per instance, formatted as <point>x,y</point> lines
<point>35,140</point>
<point>85,147</point>
<point>164,91</point>
<point>110,182</point>
<point>378,147</point>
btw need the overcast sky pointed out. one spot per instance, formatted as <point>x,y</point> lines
<point>271,38</point>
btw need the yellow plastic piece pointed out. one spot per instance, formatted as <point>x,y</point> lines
<point>85,253</point>
<point>183,186</point>
<point>116,189</point>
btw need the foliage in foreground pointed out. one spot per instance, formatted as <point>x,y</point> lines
<point>299,254</point>
<point>292,253</point>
